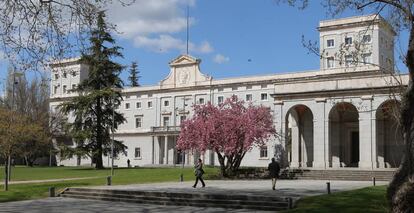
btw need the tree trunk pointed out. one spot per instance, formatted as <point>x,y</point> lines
<point>99,136</point>
<point>401,189</point>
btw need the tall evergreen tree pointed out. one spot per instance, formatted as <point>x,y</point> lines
<point>94,108</point>
<point>134,75</point>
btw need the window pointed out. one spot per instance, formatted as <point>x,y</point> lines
<point>127,105</point>
<point>138,105</point>
<point>330,43</point>
<point>65,75</point>
<point>263,86</point>
<point>73,86</point>
<point>249,87</point>
<point>220,89</point>
<point>220,99</point>
<point>65,88</point>
<point>166,103</point>
<point>249,97</point>
<point>366,39</point>
<point>348,40</point>
<point>55,88</point>
<point>263,97</point>
<point>166,121</point>
<point>56,76</point>
<point>366,58</point>
<point>330,62</point>
<point>263,152</point>
<point>234,88</point>
<point>348,60</point>
<point>149,95</point>
<point>182,118</point>
<point>73,73</point>
<point>138,122</point>
<point>137,152</point>
<point>149,104</point>
<point>201,100</point>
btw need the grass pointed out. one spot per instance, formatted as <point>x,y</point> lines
<point>370,199</point>
<point>122,176</point>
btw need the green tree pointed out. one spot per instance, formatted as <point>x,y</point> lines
<point>94,108</point>
<point>133,75</point>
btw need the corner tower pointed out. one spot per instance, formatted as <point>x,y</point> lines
<point>361,43</point>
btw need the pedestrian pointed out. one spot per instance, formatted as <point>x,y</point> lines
<point>129,163</point>
<point>274,170</point>
<point>198,172</point>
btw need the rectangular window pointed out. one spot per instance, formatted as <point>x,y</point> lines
<point>263,152</point>
<point>330,43</point>
<point>220,89</point>
<point>330,62</point>
<point>166,121</point>
<point>366,58</point>
<point>249,87</point>
<point>64,88</point>
<point>366,39</point>
<point>348,40</point>
<point>138,122</point>
<point>182,118</point>
<point>149,95</point>
<point>149,104</point>
<point>73,73</point>
<point>65,75</point>
<point>127,105</point>
<point>56,76</point>
<point>249,97</point>
<point>137,152</point>
<point>348,60</point>
<point>55,88</point>
<point>138,105</point>
<point>166,103</point>
<point>263,86</point>
<point>201,101</point>
<point>263,96</point>
<point>234,88</point>
<point>220,99</point>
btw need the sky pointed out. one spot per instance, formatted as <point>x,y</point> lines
<point>231,37</point>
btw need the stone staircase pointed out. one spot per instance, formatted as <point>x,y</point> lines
<point>345,174</point>
<point>235,201</point>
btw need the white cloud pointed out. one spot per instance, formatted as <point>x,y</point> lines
<point>220,59</point>
<point>152,24</point>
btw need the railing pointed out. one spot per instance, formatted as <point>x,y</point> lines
<point>168,129</point>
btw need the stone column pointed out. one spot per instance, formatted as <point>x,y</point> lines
<point>166,149</point>
<point>280,152</point>
<point>320,145</point>
<point>366,139</point>
<point>296,137</point>
<point>153,150</point>
<point>380,139</point>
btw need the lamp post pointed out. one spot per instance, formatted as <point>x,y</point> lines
<point>8,160</point>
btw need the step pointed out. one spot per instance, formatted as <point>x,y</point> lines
<point>181,199</point>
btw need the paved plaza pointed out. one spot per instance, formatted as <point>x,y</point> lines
<point>292,188</point>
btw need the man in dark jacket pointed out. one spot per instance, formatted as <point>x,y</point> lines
<point>274,170</point>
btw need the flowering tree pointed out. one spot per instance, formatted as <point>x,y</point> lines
<point>230,129</point>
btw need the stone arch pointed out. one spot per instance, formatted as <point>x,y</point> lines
<point>344,135</point>
<point>299,135</point>
<point>389,138</point>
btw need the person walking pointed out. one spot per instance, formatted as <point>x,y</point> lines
<point>198,172</point>
<point>274,169</point>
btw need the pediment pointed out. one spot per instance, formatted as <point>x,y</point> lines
<point>184,60</point>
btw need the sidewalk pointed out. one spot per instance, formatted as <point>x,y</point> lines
<point>48,180</point>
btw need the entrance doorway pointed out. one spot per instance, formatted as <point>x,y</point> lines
<point>354,149</point>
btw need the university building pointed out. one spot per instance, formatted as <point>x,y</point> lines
<point>342,115</point>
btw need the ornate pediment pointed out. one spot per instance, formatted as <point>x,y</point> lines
<point>185,72</point>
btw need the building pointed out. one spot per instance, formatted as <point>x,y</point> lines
<point>336,117</point>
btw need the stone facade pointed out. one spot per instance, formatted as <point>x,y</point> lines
<point>339,116</point>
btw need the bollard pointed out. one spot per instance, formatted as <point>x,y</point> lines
<point>328,187</point>
<point>373,181</point>
<point>290,203</point>
<point>51,191</point>
<point>109,180</point>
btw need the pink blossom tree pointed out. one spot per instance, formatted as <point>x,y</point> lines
<point>230,129</point>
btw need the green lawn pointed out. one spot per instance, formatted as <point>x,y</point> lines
<point>370,199</point>
<point>122,176</point>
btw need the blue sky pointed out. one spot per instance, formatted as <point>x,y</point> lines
<point>231,37</point>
